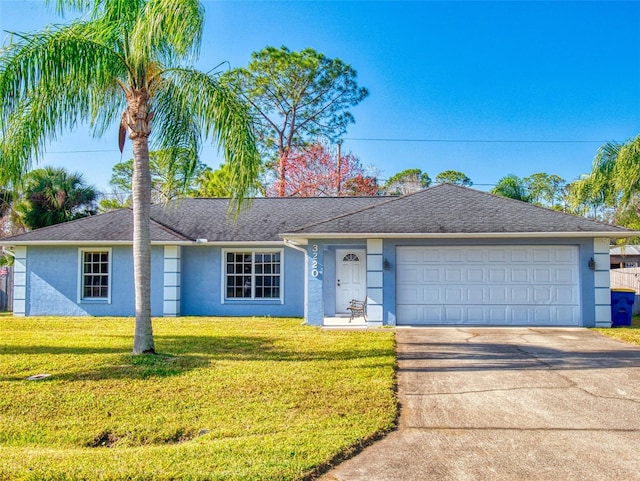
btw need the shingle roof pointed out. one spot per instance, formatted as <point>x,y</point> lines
<point>263,219</point>
<point>452,209</point>
<point>441,210</point>
<point>191,219</point>
<point>115,226</point>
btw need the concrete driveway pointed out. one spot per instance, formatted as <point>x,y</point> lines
<point>509,404</point>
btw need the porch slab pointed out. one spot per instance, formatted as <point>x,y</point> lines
<point>342,322</point>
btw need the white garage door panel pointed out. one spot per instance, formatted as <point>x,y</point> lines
<point>495,285</point>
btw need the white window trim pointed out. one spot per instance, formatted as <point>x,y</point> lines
<point>223,276</point>
<point>94,300</point>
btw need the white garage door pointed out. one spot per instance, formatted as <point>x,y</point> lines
<point>495,285</point>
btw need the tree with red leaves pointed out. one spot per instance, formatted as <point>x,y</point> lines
<point>296,97</point>
<point>319,171</point>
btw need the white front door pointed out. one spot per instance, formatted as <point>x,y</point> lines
<point>351,275</point>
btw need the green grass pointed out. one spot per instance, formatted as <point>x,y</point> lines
<point>232,399</point>
<point>627,334</point>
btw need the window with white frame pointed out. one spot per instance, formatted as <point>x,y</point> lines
<point>253,274</point>
<point>95,274</point>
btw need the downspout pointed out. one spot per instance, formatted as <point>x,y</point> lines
<point>297,247</point>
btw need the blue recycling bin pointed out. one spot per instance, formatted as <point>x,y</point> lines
<point>622,306</point>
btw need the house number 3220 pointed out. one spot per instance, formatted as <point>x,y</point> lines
<point>314,260</point>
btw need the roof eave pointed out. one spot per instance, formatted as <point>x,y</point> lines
<point>302,238</point>
<point>128,243</point>
<point>18,242</point>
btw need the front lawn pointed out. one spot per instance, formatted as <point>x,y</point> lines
<point>232,399</point>
<point>628,334</point>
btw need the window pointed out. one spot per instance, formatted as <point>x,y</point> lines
<point>253,275</point>
<point>95,274</point>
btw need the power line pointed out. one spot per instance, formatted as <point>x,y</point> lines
<point>479,141</point>
<point>114,150</point>
<point>79,151</point>
<point>382,139</point>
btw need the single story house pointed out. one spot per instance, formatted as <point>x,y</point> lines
<point>447,255</point>
<point>625,256</point>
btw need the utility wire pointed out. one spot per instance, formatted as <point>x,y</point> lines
<point>382,139</point>
<point>479,141</point>
<point>79,151</point>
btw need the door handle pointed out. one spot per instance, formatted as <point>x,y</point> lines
<point>338,282</point>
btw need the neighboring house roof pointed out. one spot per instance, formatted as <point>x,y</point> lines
<point>448,210</point>
<point>442,211</point>
<point>630,250</point>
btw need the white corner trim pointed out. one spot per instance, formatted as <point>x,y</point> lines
<point>172,285</point>
<point>374,246</point>
<point>601,245</point>
<point>20,281</point>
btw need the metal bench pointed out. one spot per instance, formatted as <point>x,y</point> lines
<point>358,309</point>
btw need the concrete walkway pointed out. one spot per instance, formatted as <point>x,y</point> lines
<point>509,404</point>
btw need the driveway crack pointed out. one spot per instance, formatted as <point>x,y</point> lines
<point>571,382</point>
<point>501,428</point>
<point>480,391</point>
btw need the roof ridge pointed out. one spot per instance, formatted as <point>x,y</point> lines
<point>357,211</point>
<point>168,229</point>
<point>391,198</point>
<point>276,198</point>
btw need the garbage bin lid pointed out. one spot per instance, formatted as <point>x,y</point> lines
<point>622,289</point>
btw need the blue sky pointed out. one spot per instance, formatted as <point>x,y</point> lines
<point>486,88</point>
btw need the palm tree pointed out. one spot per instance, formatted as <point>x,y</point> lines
<point>513,187</point>
<point>129,62</point>
<point>171,177</point>
<point>616,171</point>
<point>53,195</point>
<point>586,195</point>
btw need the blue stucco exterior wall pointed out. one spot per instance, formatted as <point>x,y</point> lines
<point>52,283</point>
<point>52,280</point>
<point>329,280</point>
<point>202,290</point>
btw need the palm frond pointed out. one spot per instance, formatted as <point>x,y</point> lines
<point>628,169</point>
<point>222,117</point>
<point>50,81</point>
<point>123,12</point>
<point>616,171</point>
<point>168,31</point>
<point>177,136</point>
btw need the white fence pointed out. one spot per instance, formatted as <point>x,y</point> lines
<point>628,278</point>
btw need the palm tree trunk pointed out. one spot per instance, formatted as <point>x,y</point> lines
<point>143,339</point>
<point>138,120</point>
